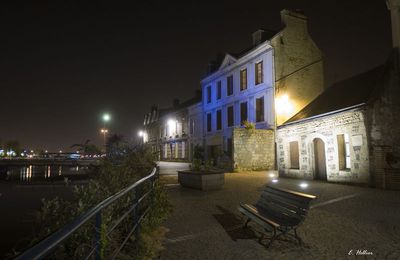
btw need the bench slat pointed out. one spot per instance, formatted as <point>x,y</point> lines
<point>279,209</point>
<point>298,200</point>
<point>283,204</point>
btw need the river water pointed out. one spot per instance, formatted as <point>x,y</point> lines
<point>42,173</point>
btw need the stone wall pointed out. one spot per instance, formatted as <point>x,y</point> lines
<point>298,63</point>
<point>253,149</point>
<point>326,128</point>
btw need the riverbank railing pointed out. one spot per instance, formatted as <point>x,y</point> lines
<point>47,246</point>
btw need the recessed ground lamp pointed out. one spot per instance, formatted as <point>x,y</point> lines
<point>303,185</point>
<point>275,180</point>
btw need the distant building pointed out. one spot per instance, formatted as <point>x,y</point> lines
<point>169,131</point>
<point>242,87</point>
<point>351,132</point>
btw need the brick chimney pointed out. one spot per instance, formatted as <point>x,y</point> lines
<point>258,37</point>
<point>295,20</point>
<point>394,7</point>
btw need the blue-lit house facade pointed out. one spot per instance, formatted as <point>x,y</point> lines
<point>241,89</point>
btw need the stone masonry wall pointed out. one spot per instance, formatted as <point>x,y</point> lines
<point>326,128</point>
<point>298,64</point>
<point>253,149</point>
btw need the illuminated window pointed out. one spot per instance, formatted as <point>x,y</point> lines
<point>344,151</point>
<point>219,89</point>
<point>209,94</point>
<point>259,73</point>
<point>209,122</point>
<point>219,119</point>
<point>230,116</point>
<point>243,79</point>
<point>183,149</point>
<point>294,155</point>
<point>243,112</point>
<point>165,150</point>
<point>260,109</point>
<point>229,85</point>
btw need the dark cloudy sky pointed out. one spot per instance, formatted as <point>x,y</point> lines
<point>63,64</point>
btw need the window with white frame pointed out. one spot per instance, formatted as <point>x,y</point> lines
<point>343,141</point>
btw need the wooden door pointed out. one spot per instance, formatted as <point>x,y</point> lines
<point>319,159</point>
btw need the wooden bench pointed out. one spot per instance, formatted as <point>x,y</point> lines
<point>278,211</point>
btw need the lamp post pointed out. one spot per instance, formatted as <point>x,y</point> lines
<point>106,118</point>
<point>104,131</point>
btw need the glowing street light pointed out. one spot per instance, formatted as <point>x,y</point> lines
<point>106,117</point>
<point>171,126</point>
<point>104,131</point>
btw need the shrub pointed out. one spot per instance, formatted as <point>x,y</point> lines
<point>109,177</point>
<point>249,125</point>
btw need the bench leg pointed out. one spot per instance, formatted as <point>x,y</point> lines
<point>261,238</point>
<point>247,222</point>
<point>272,239</point>
<point>297,237</point>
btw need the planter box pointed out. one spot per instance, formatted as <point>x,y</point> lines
<point>201,180</point>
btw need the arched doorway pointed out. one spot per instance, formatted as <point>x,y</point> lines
<point>319,159</point>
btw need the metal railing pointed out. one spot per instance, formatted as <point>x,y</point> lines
<point>50,244</point>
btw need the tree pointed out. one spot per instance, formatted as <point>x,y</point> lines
<point>87,148</point>
<point>116,146</point>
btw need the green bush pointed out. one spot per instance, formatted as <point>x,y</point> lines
<point>109,177</point>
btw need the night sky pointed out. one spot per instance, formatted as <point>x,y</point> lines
<point>63,65</point>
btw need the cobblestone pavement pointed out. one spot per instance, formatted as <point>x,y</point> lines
<point>344,219</point>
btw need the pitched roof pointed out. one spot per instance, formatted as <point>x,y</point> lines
<point>347,93</point>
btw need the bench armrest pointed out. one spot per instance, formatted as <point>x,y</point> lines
<point>255,212</point>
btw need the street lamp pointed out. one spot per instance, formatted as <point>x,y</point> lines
<point>140,133</point>
<point>104,131</point>
<point>106,118</point>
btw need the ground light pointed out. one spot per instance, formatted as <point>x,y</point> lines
<point>275,180</point>
<point>303,185</point>
<point>271,175</point>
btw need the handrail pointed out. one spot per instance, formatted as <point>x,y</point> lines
<point>47,245</point>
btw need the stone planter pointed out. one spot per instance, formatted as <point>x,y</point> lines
<point>201,180</point>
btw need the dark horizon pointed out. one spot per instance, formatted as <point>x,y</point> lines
<point>63,65</point>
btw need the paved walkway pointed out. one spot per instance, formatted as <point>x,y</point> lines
<point>344,219</point>
<point>167,168</point>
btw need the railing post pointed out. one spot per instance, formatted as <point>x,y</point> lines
<point>136,217</point>
<point>98,236</point>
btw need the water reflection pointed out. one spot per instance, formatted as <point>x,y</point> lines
<point>32,173</point>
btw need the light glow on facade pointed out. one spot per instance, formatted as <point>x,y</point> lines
<point>171,127</point>
<point>283,105</point>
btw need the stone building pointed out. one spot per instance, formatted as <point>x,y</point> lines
<point>169,131</point>
<point>350,133</point>
<point>243,86</point>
